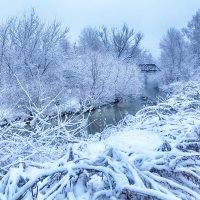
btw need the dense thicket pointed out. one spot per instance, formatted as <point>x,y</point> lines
<point>45,166</point>
<point>39,66</point>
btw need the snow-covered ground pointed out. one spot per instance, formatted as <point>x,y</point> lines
<point>152,155</point>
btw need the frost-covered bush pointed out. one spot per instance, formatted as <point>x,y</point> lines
<point>41,139</point>
<point>105,79</point>
<point>111,168</point>
<point>190,89</point>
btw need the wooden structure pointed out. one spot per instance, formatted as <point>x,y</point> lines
<point>148,68</point>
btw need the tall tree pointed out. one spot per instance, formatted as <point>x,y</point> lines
<point>126,42</point>
<point>89,39</point>
<point>172,54</point>
<point>193,34</point>
<point>31,56</point>
<point>122,43</point>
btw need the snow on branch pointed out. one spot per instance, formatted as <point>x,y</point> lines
<point>108,169</point>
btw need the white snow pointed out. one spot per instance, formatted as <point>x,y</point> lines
<point>129,160</point>
<point>136,140</point>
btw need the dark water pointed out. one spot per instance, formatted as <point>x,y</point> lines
<point>113,113</point>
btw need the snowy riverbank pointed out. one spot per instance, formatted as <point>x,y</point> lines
<point>153,155</point>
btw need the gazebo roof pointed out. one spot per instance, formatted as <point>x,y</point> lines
<point>148,68</point>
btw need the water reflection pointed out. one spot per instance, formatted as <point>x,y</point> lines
<point>112,114</point>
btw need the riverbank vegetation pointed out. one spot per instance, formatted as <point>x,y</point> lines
<point>41,66</point>
<point>151,155</point>
<point>43,155</point>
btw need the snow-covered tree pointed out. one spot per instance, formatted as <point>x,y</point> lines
<point>126,43</point>
<point>173,55</point>
<point>193,35</point>
<point>123,44</point>
<point>89,40</point>
<point>31,57</point>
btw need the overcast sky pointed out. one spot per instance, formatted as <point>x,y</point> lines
<point>151,17</point>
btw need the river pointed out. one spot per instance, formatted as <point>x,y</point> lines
<point>111,114</point>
